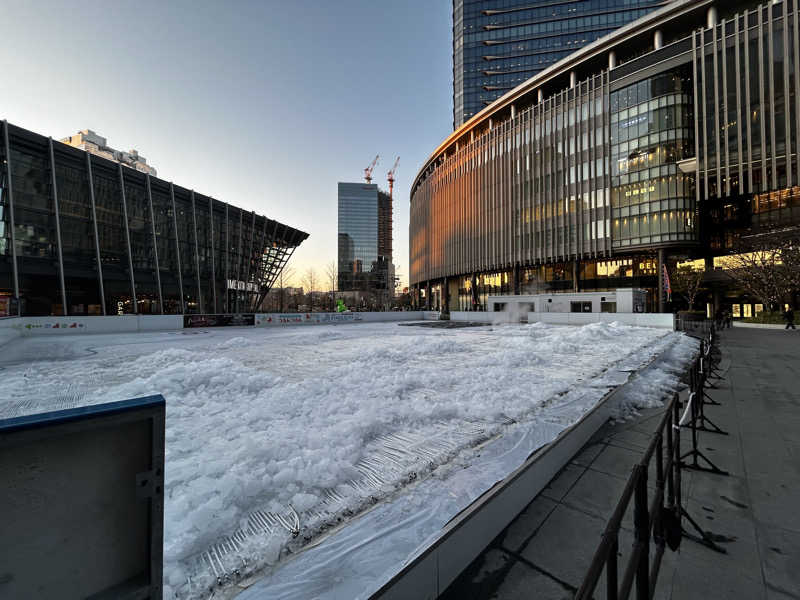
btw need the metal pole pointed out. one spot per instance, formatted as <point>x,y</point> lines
<point>177,244</point>
<point>239,263</point>
<point>250,260</point>
<point>155,243</point>
<point>661,280</point>
<point>96,233</point>
<point>213,267</point>
<point>642,535</point>
<point>197,257</point>
<point>11,216</point>
<point>58,228</point>
<point>227,260</point>
<point>128,238</point>
<point>612,586</point>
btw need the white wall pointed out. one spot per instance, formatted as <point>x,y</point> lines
<point>475,316</point>
<point>28,326</point>
<point>14,327</point>
<point>318,318</point>
<point>657,320</point>
<point>10,328</point>
<point>625,298</point>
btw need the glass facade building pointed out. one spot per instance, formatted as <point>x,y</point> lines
<point>673,139</point>
<point>365,239</point>
<point>82,235</point>
<point>499,44</point>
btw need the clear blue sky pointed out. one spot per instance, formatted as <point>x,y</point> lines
<point>262,104</point>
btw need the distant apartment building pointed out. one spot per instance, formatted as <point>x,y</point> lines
<point>498,44</point>
<point>88,140</point>
<point>365,243</point>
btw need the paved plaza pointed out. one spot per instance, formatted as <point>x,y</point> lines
<point>754,513</point>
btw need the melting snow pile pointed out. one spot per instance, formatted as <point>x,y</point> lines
<point>273,437</point>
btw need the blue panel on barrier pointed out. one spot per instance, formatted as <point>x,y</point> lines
<point>75,414</point>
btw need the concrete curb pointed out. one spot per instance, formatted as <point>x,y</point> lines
<point>757,325</point>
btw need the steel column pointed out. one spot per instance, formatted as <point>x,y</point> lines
<point>747,104</point>
<point>771,80</point>
<point>227,259</point>
<point>706,165</point>
<point>96,233</point>
<point>761,98</point>
<point>177,244</point>
<point>661,280</point>
<point>59,245</point>
<point>724,61</point>
<point>250,259</point>
<point>200,303</point>
<point>714,66</point>
<point>796,66</point>
<point>127,238</point>
<point>213,265</point>
<point>787,120</point>
<point>239,262</point>
<point>739,149</point>
<point>697,129</point>
<point>155,243</point>
<point>11,216</point>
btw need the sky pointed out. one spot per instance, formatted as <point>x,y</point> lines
<point>265,105</point>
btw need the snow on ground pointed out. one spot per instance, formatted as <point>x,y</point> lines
<point>271,434</point>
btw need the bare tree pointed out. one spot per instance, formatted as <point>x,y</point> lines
<point>687,281</point>
<point>309,282</point>
<point>766,270</point>
<point>284,278</point>
<point>331,273</point>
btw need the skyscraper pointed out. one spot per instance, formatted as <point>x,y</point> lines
<point>498,44</point>
<point>365,243</point>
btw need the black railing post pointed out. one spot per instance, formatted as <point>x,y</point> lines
<point>672,424</point>
<point>641,521</point>
<point>612,586</point>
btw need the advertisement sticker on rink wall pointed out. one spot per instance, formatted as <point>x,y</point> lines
<point>225,320</point>
<point>271,319</point>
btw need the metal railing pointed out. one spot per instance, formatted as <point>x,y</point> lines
<point>696,328</point>
<point>658,518</point>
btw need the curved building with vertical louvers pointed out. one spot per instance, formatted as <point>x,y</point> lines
<point>666,140</point>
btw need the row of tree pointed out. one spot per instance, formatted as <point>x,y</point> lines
<point>765,270</point>
<point>318,292</point>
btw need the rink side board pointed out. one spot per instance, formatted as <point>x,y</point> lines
<point>83,503</point>
<point>468,534</point>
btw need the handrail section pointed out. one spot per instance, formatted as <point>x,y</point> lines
<point>657,520</point>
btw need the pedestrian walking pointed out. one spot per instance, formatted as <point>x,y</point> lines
<point>788,316</point>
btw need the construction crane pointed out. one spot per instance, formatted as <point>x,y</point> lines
<point>390,176</point>
<point>368,170</point>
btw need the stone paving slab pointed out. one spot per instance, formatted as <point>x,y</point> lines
<point>754,513</point>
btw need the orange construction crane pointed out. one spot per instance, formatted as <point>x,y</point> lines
<point>390,176</point>
<point>368,170</point>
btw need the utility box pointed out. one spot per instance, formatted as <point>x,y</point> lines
<point>82,502</point>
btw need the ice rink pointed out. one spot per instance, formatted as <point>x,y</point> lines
<point>275,436</point>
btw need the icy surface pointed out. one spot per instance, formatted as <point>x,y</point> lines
<point>273,437</point>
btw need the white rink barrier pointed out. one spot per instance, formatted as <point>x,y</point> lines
<point>656,320</point>
<point>28,326</point>
<point>475,316</point>
<point>14,327</point>
<point>318,318</point>
<point>9,329</point>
